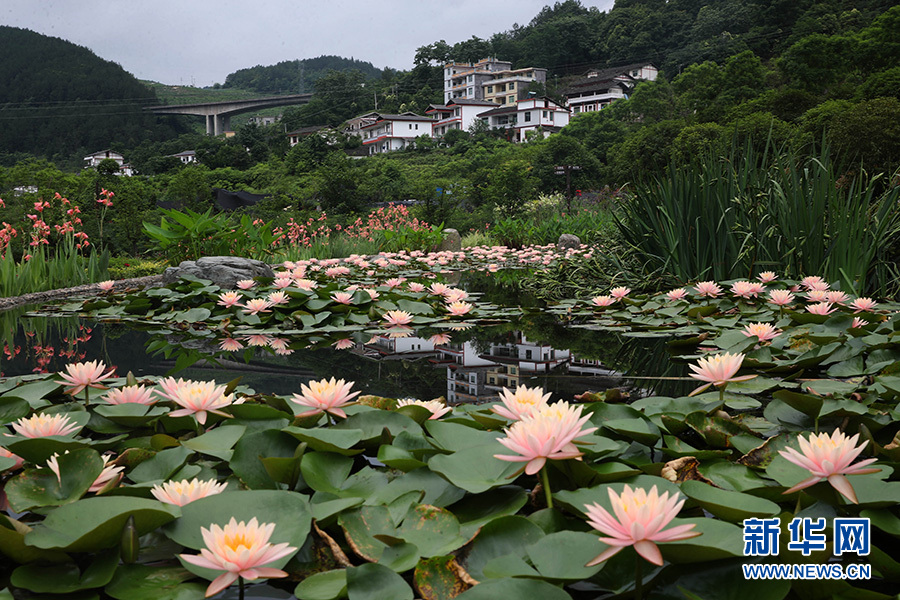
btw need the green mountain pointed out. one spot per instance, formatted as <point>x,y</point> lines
<point>295,76</point>
<point>59,100</point>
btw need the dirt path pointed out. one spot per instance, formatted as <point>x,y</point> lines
<point>81,290</point>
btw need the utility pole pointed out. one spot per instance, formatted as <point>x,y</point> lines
<point>376,99</point>
<point>567,171</point>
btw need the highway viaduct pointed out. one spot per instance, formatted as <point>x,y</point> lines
<point>218,114</point>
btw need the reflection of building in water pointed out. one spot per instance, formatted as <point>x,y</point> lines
<point>466,374</point>
<point>521,359</point>
<point>399,348</point>
<point>474,377</point>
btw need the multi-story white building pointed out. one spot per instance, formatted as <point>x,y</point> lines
<point>600,88</point>
<point>459,113</point>
<point>535,114</point>
<point>387,133</point>
<point>489,79</point>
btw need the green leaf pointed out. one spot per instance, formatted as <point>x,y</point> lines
<point>161,466</point>
<point>325,472</point>
<point>728,505</point>
<point>718,539</point>
<point>254,446</point>
<point>217,442</point>
<point>13,408</point>
<point>141,582</point>
<point>434,531</point>
<point>475,469</point>
<point>514,588</point>
<point>66,578</point>
<point>372,422</point>
<point>376,582</point>
<point>563,555</point>
<point>455,436</point>
<point>438,578</point>
<point>289,510</point>
<point>339,441</point>
<point>329,585</point>
<point>92,524</point>
<point>502,536</point>
<point>40,487</point>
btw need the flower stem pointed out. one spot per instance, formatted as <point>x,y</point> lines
<point>241,588</point>
<point>87,396</point>
<point>638,579</point>
<point>545,479</point>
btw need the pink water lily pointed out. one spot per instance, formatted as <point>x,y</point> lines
<point>107,285</point>
<point>397,317</point>
<point>677,294</point>
<point>781,297</point>
<point>639,521</point>
<point>229,299</point>
<point>342,297</point>
<point>131,394</point>
<point>767,276</point>
<point>83,375</point>
<point>230,345</point>
<point>829,457</point>
<point>763,331</point>
<point>603,301</point>
<point>718,370</point>
<point>106,477</point>
<point>620,292</point>
<point>185,491</point>
<point>708,289</point>
<point>245,284</point>
<point>823,308</point>
<point>241,550</point>
<point>197,398</point>
<point>325,396</point>
<point>19,461</point>
<point>547,434</point>
<point>43,425</point>
<point>522,403</point>
<point>457,309</point>
<point>256,306</point>
<point>863,305</point>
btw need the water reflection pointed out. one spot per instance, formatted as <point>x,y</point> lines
<point>463,364</point>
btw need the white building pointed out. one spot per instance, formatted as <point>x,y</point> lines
<point>541,115</point>
<point>187,157</point>
<point>600,88</point>
<point>394,132</point>
<point>459,113</point>
<point>93,160</point>
<point>489,79</point>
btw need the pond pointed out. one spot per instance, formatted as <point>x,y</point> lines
<point>374,498</point>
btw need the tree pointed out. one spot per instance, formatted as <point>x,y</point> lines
<point>337,185</point>
<point>580,167</point>
<point>868,134</point>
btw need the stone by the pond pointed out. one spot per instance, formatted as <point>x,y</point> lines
<point>224,271</point>
<point>452,241</point>
<point>568,240</point>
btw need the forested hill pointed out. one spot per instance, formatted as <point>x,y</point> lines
<point>295,76</point>
<point>58,99</point>
<point>569,37</point>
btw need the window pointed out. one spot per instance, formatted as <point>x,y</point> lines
<point>544,115</point>
<point>417,126</point>
<point>501,87</point>
<point>511,100</point>
<point>635,73</point>
<point>512,86</point>
<point>527,352</point>
<point>490,89</point>
<point>528,119</point>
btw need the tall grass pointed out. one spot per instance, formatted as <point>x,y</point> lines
<point>731,217</point>
<point>61,267</point>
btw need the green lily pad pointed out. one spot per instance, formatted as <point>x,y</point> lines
<point>141,582</point>
<point>514,588</point>
<point>376,582</point>
<point>502,536</point>
<point>217,442</point>
<point>339,441</point>
<point>475,469</point>
<point>34,488</point>
<point>67,578</point>
<point>328,585</point>
<point>92,524</point>
<point>562,555</point>
<point>728,505</point>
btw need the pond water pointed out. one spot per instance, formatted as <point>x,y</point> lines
<point>471,367</point>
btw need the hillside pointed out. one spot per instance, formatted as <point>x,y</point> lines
<point>295,76</point>
<point>60,100</point>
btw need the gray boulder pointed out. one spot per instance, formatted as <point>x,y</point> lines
<point>224,271</point>
<point>567,240</point>
<point>452,241</point>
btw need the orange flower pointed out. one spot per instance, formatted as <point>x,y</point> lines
<point>240,549</point>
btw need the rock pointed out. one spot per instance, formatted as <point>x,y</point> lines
<point>452,241</point>
<point>567,240</point>
<point>224,271</point>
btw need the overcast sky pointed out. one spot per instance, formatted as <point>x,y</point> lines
<point>199,42</point>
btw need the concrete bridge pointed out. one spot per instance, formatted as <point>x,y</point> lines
<point>218,114</point>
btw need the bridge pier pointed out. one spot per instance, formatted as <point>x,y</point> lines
<point>223,123</point>
<point>210,124</point>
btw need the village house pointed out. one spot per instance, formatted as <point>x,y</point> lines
<point>187,157</point>
<point>459,113</point>
<point>542,115</point>
<point>489,79</point>
<point>394,132</point>
<point>601,87</point>
<point>93,160</point>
